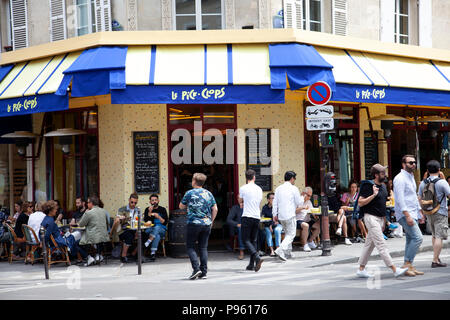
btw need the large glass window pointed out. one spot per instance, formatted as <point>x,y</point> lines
<point>198,14</point>
<point>312,15</point>
<point>401,21</point>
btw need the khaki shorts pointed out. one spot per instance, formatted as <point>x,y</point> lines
<point>439,225</point>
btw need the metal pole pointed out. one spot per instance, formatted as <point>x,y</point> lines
<point>11,178</point>
<point>44,252</point>
<point>326,243</point>
<point>139,243</point>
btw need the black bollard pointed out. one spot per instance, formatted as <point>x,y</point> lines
<point>44,252</point>
<point>139,243</point>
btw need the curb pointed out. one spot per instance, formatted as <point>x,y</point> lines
<point>394,254</point>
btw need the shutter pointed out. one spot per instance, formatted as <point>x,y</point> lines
<point>57,20</point>
<point>293,13</point>
<point>103,15</point>
<point>340,17</point>
<point>19,23</point>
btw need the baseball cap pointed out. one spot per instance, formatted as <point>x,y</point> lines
<point>377,168</point>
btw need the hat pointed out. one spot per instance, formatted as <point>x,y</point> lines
<point>377,168</point>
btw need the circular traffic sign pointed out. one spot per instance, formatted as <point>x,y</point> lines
<point>319,93</point>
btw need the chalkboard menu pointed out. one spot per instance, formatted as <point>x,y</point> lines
<point>258,152</point>
<point>370,151</point>
<point>146,162</point>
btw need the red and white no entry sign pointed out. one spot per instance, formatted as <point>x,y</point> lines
<point>319,93</point>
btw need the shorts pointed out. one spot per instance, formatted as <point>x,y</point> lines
<point>438,225</point>
<point>127,237</point>
<point>310,223</point>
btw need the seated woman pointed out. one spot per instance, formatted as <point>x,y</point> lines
<point>271,227</point>
<point>339,218</point>
<point>50,209</point>
<point>305,222</point>
<point>348,203</point>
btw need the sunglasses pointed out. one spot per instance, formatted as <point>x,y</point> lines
<point>411,162</point>
<point>133,202</point>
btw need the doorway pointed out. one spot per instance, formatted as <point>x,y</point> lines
<point>217,125</point>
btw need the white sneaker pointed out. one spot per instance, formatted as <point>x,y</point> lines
<point>98,258</point>
<point>363,274</point>
<point>147,243</point>
<point>400,271</point>
<point>306,248</point>
<point>90,261</point>
<point>312,245</point>
<point>348,242</point>
<point>339,231</point>
<point>279,252</point>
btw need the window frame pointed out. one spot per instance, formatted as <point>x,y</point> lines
<point>306,17</point>
<point>397,15</point>
<point>198,15</point>
<point>91,18</point>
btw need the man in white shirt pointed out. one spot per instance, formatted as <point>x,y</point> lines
<point>35,219</point>
<point>304,221</point>
<point>251,195</point>
<point>407,211</point>
<point>287,200</point>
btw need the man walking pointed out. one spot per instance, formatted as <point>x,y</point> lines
<point>287,200</point>
<point>251,195</point>
<point>372,202</point>
<point>407,211</point>
<point>439,220</point>
<point>201,212</point>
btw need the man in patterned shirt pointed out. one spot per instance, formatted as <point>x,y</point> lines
<point>201,212</point>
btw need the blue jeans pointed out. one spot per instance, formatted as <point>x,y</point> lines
<point>413,239</point>
<point>158,232</point>
<point>198,233</point>
<point>277,231</point>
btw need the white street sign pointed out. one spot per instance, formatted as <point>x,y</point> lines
<point>326,111</point>
<point>320,124</point>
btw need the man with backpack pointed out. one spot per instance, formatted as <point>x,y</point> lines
<point>407,211</point>
<point>372,204</point>
<point>433,193</point>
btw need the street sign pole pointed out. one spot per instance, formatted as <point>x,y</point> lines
<point>325,228</point>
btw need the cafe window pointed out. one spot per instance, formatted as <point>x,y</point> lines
<point>76,174</point>
<point>198,14</point>
<point>208,114</point>
<point>401,34</point>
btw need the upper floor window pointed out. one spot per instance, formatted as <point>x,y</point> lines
<point>93,16</point>
<point>401,34</point>
<point>303,14</point>
<point>198,14</point>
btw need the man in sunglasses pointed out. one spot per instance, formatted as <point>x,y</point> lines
<point>408,211</point>
<point>124,216</point>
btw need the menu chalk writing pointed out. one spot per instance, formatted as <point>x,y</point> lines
<point>258,154</point>
<point>146,162</point>
<point>370,151</point>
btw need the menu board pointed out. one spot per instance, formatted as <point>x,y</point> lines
<point>257,147</point>
<point>146,162</point>
<point>370,151</point>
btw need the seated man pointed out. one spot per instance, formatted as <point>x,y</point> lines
<point>124,216</point>
<point>5,236</point>
<point>234,223</point>
<point>305,222</point>
<point>80,204</point>
<point>271,227</point>
<point>157,216</point>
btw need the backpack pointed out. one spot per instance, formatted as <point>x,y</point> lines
<point>428,199</point>
<point>357,214</point>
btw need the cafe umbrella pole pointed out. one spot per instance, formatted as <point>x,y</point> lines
<point>44,251</point>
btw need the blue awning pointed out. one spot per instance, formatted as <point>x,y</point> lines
<point>95,72</point>
<point>300,63</point>
<point>4,70</point>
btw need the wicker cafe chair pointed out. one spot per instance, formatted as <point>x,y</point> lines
<point>53,250</point>
<point>16,240</point>
<point>31,244</point>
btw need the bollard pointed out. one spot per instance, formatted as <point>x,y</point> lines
<point>139,243</point>
<point>44,252</point>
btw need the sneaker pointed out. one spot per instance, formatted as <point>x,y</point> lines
<point>195,275</point>
<point>312,245</point>
<point>339,231</point>
<point>279,252</point>
<point>306,248</point>
<point>99,258</point>
<point>348,242</point>
<point>147,243</point>
<point>90,261</point>
<point>384,236</point>
<point>250,268</point>
<point>124,259</point>
<point>363,274</point>
<point>152,257</point>
<point>203,276</point>
<point>393,226</point>
<point>401,271</point>
<point>258,263</point>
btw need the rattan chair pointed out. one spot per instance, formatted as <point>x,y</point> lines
<point>15,240</point>
<point>53,250</point>
<point>32,244</point>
